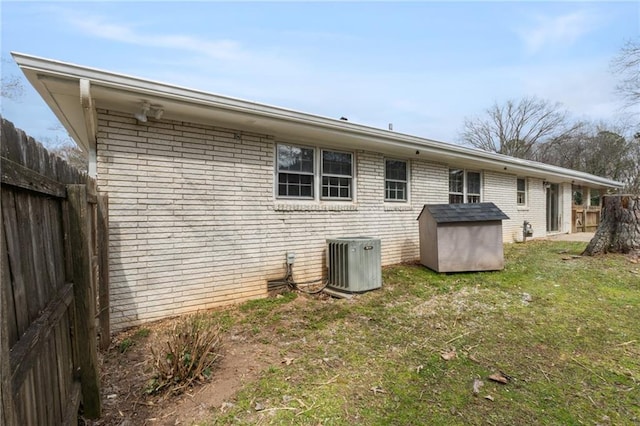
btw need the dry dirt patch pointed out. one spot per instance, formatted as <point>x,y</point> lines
<point>126,369</point>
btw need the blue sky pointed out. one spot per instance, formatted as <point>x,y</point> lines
<point>423,66</point>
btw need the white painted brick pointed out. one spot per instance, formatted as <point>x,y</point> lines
<point>195,224</point>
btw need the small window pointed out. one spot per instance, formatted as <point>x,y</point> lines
<point>464,186</point>
<point>295,171</point>
<point>473,187</point>
<point>456,186</point>
<point>395,180</point>
<point>521,192</point>
<point>337,175</point>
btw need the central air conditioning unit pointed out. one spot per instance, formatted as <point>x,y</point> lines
<point>354,264</point>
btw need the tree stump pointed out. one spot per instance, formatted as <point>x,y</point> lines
<point>619,229</point>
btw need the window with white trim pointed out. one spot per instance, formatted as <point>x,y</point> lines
<point>395,180</point>
<point>464,186</point>
<point>310,173</point>
<point>521,192</point>
<point>337,175</point>
<point>473,187</point>
<point>295,171</point>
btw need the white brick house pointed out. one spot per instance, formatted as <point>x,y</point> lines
<point>208,193</point>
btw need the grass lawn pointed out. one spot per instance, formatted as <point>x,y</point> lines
<point>564,330</point>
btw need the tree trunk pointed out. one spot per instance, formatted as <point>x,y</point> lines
<point>619,229</point>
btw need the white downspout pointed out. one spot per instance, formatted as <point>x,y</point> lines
<point>91,123</point>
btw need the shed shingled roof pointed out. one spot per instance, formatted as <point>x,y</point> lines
<point>467,212</point>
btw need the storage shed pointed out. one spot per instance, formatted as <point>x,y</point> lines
<point>461,237</point>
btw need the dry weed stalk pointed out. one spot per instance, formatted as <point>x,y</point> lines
<point>192,349</point>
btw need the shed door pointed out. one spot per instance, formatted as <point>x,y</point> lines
<point>553,216</point>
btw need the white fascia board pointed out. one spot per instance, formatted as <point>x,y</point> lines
<point>141,86</point>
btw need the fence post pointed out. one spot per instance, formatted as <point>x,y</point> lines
<point>103,268</point>
<point>85,301</point>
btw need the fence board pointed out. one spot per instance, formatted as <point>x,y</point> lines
<point>32,295</point>
<point>39,386</point>
<point>13,142</point>
<point>70,412</point>
<point>52,380</point>
<point>9,322</point>
<point>9,213</point>
<point>37,251</point>
<point>27,401</point>
<point>63,373</point>
<point>48,250</point>
<point>57,241</point>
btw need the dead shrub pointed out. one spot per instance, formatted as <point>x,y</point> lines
<point>188,355</point>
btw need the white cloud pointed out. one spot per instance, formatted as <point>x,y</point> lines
<point>227,50</point>
<point>561,30</point>
<point>426,103</point>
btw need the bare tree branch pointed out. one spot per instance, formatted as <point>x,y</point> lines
<point>597,149</point>
<point>627,65</point>
<point>517,127</point>
<point>11,86</point>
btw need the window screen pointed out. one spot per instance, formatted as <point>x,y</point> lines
<point>395,182</point>
<point>295,171</point>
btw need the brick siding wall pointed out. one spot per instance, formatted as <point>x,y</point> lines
<point>194,222</point>
<point>500,189</point>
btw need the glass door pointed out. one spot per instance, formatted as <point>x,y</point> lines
<point>552,208</point>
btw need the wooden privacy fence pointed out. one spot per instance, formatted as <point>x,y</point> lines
<point>54,255</point>
<point>585,218</point>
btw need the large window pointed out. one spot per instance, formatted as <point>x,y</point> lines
<point>337,174</point>
<point>304,172</point>
<point>521,192</point>
<point>464,186</point>
<point>295,171</point>
<point>395,180</point>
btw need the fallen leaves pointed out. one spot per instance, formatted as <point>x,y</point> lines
<point>377,389</point>
<point>449,355</point>
<point>495,377</point>
<point>287,361</point>
<point>499,378</point>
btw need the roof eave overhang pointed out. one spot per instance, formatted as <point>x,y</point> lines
<point>73,93</point>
